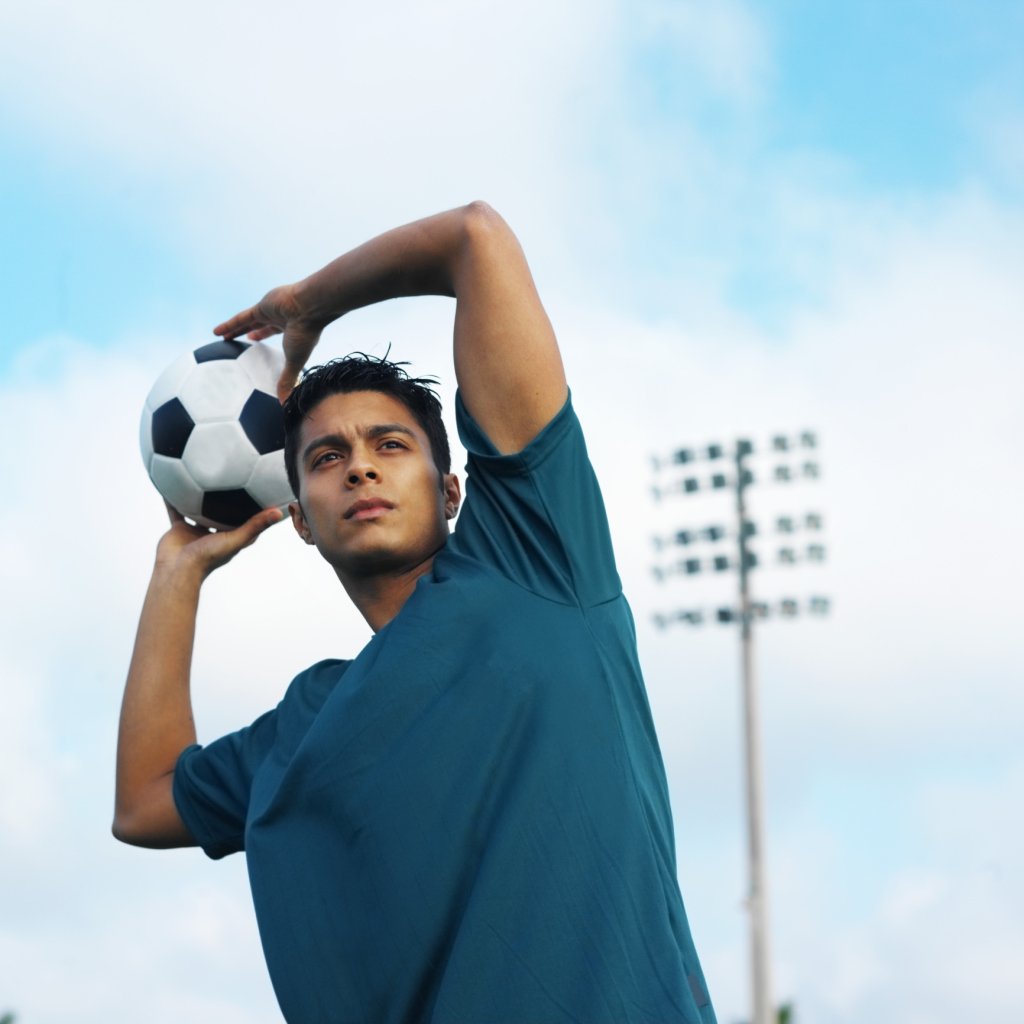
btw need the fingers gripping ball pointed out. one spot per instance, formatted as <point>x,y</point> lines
<point>212,433</point>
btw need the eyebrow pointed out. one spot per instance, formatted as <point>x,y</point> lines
<point>340,441</point>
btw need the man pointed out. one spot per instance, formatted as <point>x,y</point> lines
<point>469,822</point>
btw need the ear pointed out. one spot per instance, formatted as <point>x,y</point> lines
<point>452,495</point>
<point>299,522</point>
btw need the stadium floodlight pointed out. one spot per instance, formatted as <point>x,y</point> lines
<point>745,614</point>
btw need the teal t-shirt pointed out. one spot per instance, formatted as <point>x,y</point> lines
<point>469,823</point>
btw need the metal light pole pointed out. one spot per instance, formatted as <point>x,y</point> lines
<point>762,994</point>
<point>763,1008</point>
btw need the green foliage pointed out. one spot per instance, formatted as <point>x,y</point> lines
<point>785,1014</point>
<point>8,1018</point>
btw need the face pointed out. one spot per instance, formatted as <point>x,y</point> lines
<point>370,497</point>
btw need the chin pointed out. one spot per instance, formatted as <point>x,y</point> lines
<point>375,557</point>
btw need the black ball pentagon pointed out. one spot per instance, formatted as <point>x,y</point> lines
<point>171,428</point>
<point>263,422</point>
<point>231,508</point>
<point>220,350</point>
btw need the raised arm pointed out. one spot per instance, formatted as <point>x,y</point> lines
<point>156,712</point>
<point>507,362</point>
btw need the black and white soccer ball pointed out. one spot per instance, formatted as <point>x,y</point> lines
<point>212,433</point>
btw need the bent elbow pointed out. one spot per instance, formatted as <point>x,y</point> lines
<point>121,830</point>
<point>133,830</point>
<point>483,223</point>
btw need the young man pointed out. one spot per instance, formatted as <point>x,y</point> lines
<point>469,822</point>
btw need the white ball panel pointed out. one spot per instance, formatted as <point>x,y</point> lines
<point>146,435</point>
<point>219,456</point>
<point>170,381</point>
<point>268,484</point>
<point>263,363</point>
<point>173,481</point>
<point>215,390</point>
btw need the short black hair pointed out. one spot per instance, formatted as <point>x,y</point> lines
<point>359,372</point>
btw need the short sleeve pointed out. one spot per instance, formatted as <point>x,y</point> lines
<point>212,785</point>
<point>538,517</point>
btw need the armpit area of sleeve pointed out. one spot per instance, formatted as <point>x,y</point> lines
<point>479,445</point>
<point>200,803</point>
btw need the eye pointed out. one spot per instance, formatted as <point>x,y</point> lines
<point>392,444</point>
<point>325,457</point>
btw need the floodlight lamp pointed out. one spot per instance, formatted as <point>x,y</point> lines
<point>750,559</point>
<point>782,474</point>
<point>691,484</point>
<point>714,532</point>
<point>682,455</point>
<point>692,566</point>
<point>809,439</point>
<point>813,521</point>
<point>780,444</point>
<point>811,470</point>
<point>819,605</point>
<point>749,529</point>
<point>718,481</point>
<point>726,615</point>
<point>695,617</point>
<point>815,553</point>
<point>759,610</point>
<point>684,537</point>
<point>744,447</point>
<point>714,451</point>
<point>787,556</point>
<point>721,563</point>
<point>788,608</point>
<point>746,478</point>
<point>784,524</point>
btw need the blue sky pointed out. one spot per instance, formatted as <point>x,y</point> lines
<point>743,217</point>
<point>882,101</point>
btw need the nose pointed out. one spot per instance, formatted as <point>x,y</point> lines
<point>362,469</point>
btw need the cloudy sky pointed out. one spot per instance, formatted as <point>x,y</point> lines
<point>744,218</point>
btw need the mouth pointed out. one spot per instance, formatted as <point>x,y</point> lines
<point>368,508</point>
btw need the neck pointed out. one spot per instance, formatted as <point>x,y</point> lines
<point>380,597</point>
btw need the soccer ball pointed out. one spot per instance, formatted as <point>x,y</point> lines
<point>212,433</point>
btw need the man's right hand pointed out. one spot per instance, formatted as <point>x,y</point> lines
<point>194,549</point>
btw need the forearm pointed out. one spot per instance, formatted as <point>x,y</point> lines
<point>156,713</point>
<point>416,259</point>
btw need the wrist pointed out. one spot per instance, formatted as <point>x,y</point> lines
<point>180,574</point>
<point>314,304</point>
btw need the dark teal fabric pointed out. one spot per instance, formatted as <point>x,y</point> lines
<point>469,823</point>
